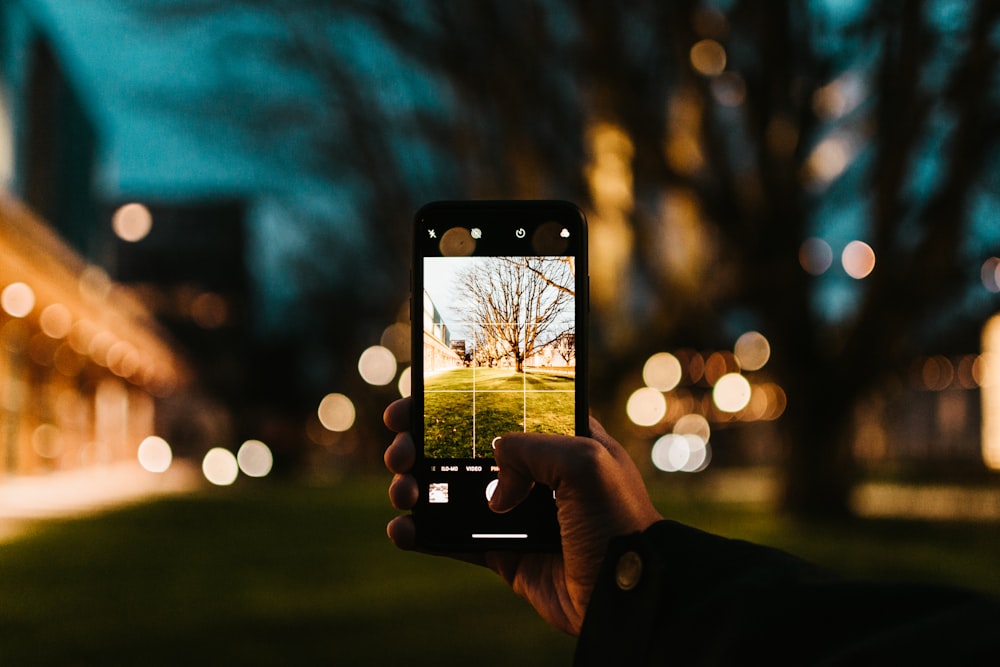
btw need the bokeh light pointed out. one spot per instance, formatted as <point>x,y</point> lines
<point>80,335</point>
<point>839,97</point>
<point>858,259</point>
<point>988,374</point>
<point>47,441</point>
<point>255,458</point>
<point>17,299</point>
<point>220,467</point>
<point>132,222</point>
<point>336,412</point>
<point>815,256</point>
<point>693,364</point>
<point>662,371</point>
<point>94,283</point>
<point>155,454</point>
<point>396,337</point>
<point>708,57</point>
<point>209,310</point>
<point>729,89</point>
<point>55,321</point>
<point>377,365</point>
<point>404,383</point>
<point>990,274</point>
<point>731,393</point>
<point>693,424</point>
<point>99,346</point>
<point>829,159</point>
<point>937,373</point>
<point>752,351</point>
<point>646,406</point>
<point>776,401</point>
<point>718,364</point>
<point>965,372</point>
<point>674,452</point>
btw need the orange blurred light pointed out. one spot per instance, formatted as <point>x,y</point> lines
<point>155,454</point>
<point>858,259</point>
<point>396,338</point>
<point>132,222</point>
<point>209,310</point>
<point>55,321</point>
<point>965,372</point>
<point>693,364</point>
<point>731,393</point>
<point>17,299</point>
<point>94,284</point>
<point>646,406</point>
<point>377,365</point>
<point>336,412</point>
<point>937,373</point>
<point>776,401</point>
<point>404,382</point>
<point>828,160</point>
<point>220,467</point>
<point>47,441</point>
<point>989,380</point>
<point>254,458</point>
<point>662,371</point>
<point>752,351</point>
<point>840,96</point>
<point>708,57</point>
<point>693,424</point>
<point>718,364</point>
<point>758,405</point>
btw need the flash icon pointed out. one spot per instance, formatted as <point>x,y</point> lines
<point>432,233</point>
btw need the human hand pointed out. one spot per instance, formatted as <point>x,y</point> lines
<point>599,495</point>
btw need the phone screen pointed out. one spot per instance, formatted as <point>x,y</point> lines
<point>499,292</point>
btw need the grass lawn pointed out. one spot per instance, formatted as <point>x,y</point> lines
<point>269,574</point>
<point>469,406</point>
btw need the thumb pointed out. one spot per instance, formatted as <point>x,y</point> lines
<point>526,458</point>
<point>513,485</point>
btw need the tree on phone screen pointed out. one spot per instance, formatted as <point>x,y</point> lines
<point>519,306</point>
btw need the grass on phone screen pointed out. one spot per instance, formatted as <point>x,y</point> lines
<point>466,408</point>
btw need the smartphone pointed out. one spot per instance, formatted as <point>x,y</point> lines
<point>499,321</point>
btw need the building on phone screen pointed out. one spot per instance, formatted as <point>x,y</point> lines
<point>439,352</point>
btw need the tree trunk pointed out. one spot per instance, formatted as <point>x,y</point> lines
<point>819,466</point>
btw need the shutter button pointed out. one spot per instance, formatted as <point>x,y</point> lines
<point>629,571</point>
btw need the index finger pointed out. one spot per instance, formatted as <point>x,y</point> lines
<point>398,415</point>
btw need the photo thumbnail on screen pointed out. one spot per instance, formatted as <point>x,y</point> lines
<point>499,350</point>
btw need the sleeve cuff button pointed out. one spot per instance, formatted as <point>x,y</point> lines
<point>628,571</point>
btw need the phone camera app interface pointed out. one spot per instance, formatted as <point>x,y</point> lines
<point>499,342</point>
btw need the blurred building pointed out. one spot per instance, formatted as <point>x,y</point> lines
<point>82,362</point>
<point>84,365</point>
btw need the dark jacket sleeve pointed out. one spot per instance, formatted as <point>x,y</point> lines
<point>674,595</point>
